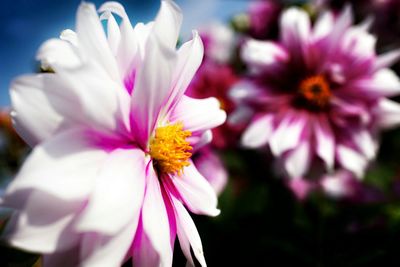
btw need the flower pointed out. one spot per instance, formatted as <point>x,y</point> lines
<point>110,172</point>
<point>319,94</point>
<point>211,167</point>
<point>263,18</point>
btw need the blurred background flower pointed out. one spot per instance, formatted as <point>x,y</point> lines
<point>328,218</point>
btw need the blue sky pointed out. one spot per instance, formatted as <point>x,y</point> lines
<point>25,24</point>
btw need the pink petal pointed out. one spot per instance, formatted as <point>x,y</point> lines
<point>143,252</point>
<point>44,223</point>
<point>66,258</point>
<point>212,168</point>
<point>119,187</point>
<point>156,223</point>
<point>65,166</point>
<point>187,233</point>
<point>300,187</point>
<point>196,193</point>
<point>258,132</point>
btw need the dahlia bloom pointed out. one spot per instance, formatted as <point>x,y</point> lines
<point>110,174</point>
<point>319,94</point>
<point>263,17</point>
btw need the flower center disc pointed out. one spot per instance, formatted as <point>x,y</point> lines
<point>315,90</point>
<point>169,148</point>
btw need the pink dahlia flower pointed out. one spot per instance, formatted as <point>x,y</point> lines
<point>110,176</point>
<point>319,94</point>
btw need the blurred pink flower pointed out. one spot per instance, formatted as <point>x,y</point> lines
<point>219,42</point>
<point>319,94</point>
<point>113,133</point>
<point>211,167</point>
<point>263,16</point>
<point>214,79</point>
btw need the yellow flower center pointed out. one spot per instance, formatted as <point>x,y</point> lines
<point>315,90</point>
<point>169,148</point>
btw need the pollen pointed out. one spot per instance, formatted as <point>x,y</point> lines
<point>315,90</point>
<point>170,149</point>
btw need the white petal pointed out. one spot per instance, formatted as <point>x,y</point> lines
<point>58,52</point>
<point>196,192</point>
<point>287,135</point>
<point>297,161</point>
<point>92,39</point>
<point>113,32</point>
<point>387,113</point>
<point>34,115</point>
<point>323,26</point>
<point>258,132</point>
<point>187,234</point>
<point>352,160</point>
<point>168,23</point>
<point>189,58</point>
<point>263,53</point>
<point>295,32</point>
<point>44,223</point>
<point>384,82</point>
<point>156,223</point>
<point>119,191</point>
<point>152,86</point>
<point>65,166</point>
<point>128,50</point>
<point>387,59</point>
<point>198,114</point>
<point>325,146</point>
<point>365,142</point>
<point>110,251</point>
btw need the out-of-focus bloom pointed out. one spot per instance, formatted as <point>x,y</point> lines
<point>211,167</point>
<point>111,172</point>
<point>384,14</point>
<point>319,94</point>
<point>214,79</point>
<point>219,42</point>
<point>12,148</point>
<point>263,18</point>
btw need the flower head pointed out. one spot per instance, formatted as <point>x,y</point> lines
<point>111,172</point>
<point>319,94</point>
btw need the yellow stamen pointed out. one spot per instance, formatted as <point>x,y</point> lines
<point>169,148</point>
<point>315,89</point>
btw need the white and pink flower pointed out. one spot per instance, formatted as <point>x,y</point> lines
<point>319,93</point>
<point>110,176</point>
